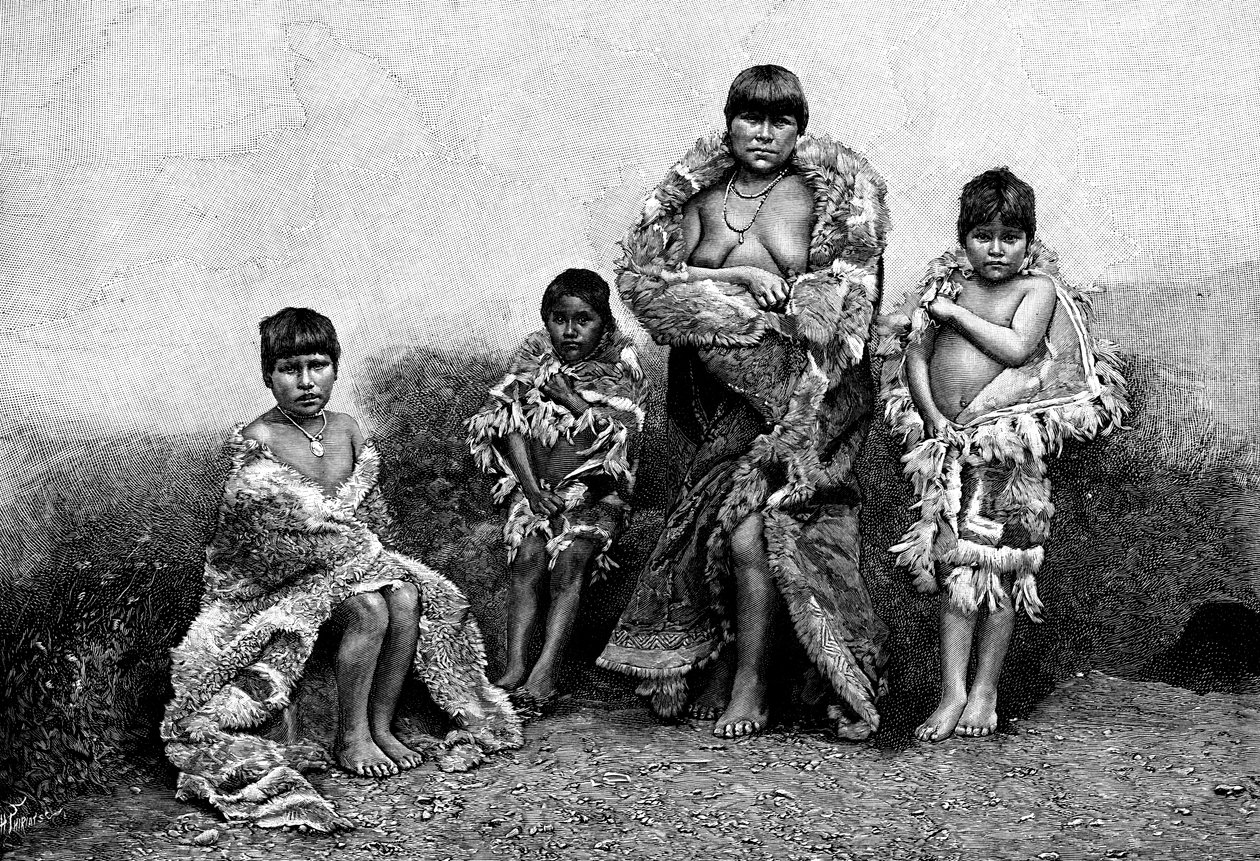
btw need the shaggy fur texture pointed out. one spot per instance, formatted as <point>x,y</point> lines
<point>805,373</point>
<point>283,556</point>
<point>612,383</point>
<point>1070,389</point>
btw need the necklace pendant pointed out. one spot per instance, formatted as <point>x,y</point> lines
<point>741,238</point>
<point>317,448</point>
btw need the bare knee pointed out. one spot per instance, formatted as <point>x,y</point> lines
<point>530,559</point>
<point>571,566</point>
<point>748,543</point>
<point>403,601</point>
<point>366,614</point>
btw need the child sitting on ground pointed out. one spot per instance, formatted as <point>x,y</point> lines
<point>298,544</point>
<point>999,369</point>
<point>559,429</point>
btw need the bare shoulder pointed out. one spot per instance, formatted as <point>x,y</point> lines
<point>1037,283</point>
<point>796,193</point>
<point>344,426</point>
<point>792,202</point>
<point>258,430</point>
<point>706,199</point>
<point>1039,288</point>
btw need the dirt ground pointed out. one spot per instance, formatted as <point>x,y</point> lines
<point>1103,768</point>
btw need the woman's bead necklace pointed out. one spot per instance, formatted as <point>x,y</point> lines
<point>764,195</point>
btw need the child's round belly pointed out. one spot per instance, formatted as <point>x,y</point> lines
<point>553,463</point>
<point>958,373</point>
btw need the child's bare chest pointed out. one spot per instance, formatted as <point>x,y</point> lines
<point>329,471</point>
<point>996,305</point>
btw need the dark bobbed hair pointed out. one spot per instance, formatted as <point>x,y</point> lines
<point>582,284</point>
<point>296,332</point>
<point>769,90</point>
<point>995,194</point>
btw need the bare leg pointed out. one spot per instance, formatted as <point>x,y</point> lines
<point>526,575</point>
<point>395,661</point>
<point>980,716</point>
<point>364,620</point>
<point>716,691</point>
<point>756,602</point>
<point>566,591</point>
<point>956,633</point>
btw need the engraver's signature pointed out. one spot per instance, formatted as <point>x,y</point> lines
<point>13,822</point>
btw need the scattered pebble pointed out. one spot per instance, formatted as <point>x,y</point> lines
<point>209,837</point>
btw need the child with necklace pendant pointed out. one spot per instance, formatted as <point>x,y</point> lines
<point>304,542</point>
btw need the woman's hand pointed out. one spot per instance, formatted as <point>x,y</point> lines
<point>768,289</point>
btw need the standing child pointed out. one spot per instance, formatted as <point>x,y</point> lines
<point>999,368</point>
<point>559,429</point>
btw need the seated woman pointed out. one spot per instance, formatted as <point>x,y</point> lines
<point>756,261</point>
<point>298,544</point>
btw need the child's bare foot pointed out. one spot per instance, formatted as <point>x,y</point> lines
<point>713,697</point>
<point>746,715</point>
<point>511,680</point>
<point>980,716</point>
<point>707,706</point>
<point>404,756</point>
<point>540,685</point>
<point>941,723</point>
<point>363,757</point>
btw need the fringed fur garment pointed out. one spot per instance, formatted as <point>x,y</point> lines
<point>283,556</point>
<point>777,405</point>
<point>597,491</point>
<point>987,482</point>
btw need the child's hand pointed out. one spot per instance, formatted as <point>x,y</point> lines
<point>675,276</point>
<point>942,309</point>
<point>545,502</point>
<point>559,389</point>
<point>937,427</point>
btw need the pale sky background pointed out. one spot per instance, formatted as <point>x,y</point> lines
<point>172,172</point>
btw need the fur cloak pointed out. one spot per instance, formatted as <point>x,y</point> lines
<point>283,556</point>
<point>780,404</point>
<point>611,382</point>
<point>1070,388</point>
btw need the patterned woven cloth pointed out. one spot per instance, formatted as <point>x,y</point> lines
<point>777,405</point>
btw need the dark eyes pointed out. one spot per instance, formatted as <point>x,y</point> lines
<point>297,369</point>
<point>755,119</point>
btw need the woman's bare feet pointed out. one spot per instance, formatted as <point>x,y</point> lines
<point>979,718</point>
<point>361,756</point>
<point>404,756</point>
<point>941,723</point>
<point>746,715</point>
